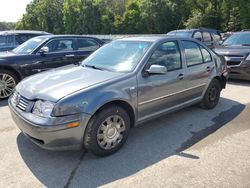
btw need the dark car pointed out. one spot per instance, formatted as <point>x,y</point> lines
<point>236,50</point>
<point>11,39</point>
<point>210,37</point>
<point>42,53</point>
<point>121,85</point>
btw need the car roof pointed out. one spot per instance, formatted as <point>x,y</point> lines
<point>70,36</point>
<point>195,29</point>
<point>22,32</point>
<point>239,32</point>
<point>156,38</point>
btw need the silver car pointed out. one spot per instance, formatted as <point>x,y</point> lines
<point>121,85</point>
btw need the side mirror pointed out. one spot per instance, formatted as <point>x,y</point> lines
<point>157,69</point>
<point>44,50</point>
<point>220,42</point>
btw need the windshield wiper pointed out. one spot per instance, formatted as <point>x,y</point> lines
<point>245,45</point>
<point>94,67</point>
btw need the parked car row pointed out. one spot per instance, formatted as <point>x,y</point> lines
<point>121,85</point>
<point>11,39</point>
<point>234,47</point>
<point>40,54</point>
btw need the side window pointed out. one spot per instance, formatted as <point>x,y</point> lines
<point>60,45</point>
<point>168,55</point>
<point>3,40</point>
<point>216,37</point>
<point>87,45</point>
<point>206,55</point>
<point>21,38</point>
<point>192,53</point>
<point>207,37</point>
<point>197,35</point>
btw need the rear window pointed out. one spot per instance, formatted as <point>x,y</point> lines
<point>87,45</point>
<point>192,53</point>
<point>207,37</point>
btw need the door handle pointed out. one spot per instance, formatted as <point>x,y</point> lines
<point>70,55</point>
<point>181,76</point>
<point>208,69</point>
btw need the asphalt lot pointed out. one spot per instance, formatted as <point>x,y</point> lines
<point>189,148</point>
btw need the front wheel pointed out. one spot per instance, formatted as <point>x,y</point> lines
<point>8,82</point>
<point>212,95</point>
<point>107,131</point>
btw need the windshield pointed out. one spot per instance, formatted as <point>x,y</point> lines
<point>238,39</point>
<point>179,33</point>
<point>118,56</point>
<point>29,46</point>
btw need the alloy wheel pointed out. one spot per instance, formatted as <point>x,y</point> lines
<point>7,85</point>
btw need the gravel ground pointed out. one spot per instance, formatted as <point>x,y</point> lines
<point>189,148</point>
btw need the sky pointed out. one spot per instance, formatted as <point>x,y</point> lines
<point>12,10</point>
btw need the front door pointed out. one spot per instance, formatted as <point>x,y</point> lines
<point>158,92</point>
<point>61,52</point>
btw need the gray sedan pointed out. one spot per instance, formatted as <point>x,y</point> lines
<point>121,85</point>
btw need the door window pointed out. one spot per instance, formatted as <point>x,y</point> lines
<point>87,45</point>
<point>197,35</point>
<point>168,55</point>
<point>192,53</point>
<point>206,55</point>
<point>207,37</point>
<point>60,45</point>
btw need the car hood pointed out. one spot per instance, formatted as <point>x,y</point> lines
<point>7,55</point>
<point>57,83</point>
<point>233,50</point>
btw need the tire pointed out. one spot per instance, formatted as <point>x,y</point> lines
<point>212,95</point>
<point>107,131</point>
<point>8,82</point>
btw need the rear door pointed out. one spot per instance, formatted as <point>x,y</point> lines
<point>85,46</point>
<point>199,66</point>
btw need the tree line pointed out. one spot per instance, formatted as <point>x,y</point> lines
<point>133,16</point>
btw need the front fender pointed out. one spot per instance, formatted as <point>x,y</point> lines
<point>89,101</point>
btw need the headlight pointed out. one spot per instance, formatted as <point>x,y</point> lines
<point>248,58</point>
<point>43,108</point>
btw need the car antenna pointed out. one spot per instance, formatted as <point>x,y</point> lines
<point>178,26</point>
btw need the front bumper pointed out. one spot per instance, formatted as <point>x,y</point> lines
<point>52,137</point>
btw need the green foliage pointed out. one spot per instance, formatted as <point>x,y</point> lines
<point>43,15</point>
<point>7,26</point>
<point>133,16</point>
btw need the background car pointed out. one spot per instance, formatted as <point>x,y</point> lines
<point>236,50</point>
<point>210,37</point>
<point>40,54</point>
<point>124,83</point>
<point>11,39</point>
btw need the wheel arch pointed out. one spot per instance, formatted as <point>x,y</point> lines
<point>8,68</point>
<point>123,104</point>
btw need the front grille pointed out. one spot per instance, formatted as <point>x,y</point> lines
<point>21,102</point>
<point>233,63</point>
<point>234,60</point>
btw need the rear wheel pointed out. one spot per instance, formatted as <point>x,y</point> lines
<point>8,82</point>
<point>107,131</point>
<point>212,95</point>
